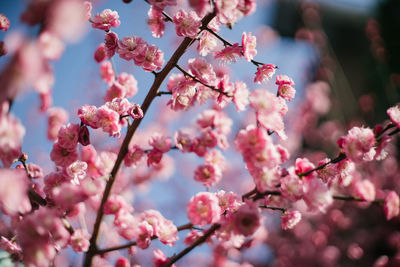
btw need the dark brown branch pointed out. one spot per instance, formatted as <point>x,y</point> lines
<point>199,241</point>
<point>272,208</point>
<point>197,80</point>
<point>133,243</point>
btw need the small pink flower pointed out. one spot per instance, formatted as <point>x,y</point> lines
<point>131,47</point>
<point>161,4</point>
<point>265,178</point>
<point>105,20</point>
<point>208,175</point>
<point>154,157</point>
<point>68,135</point>
<point>394,114</point>
<point>84,137</point>
<point>160,142</point>
<point>228,201</point>
<point>123,262</point>
<point>13,192</point>
<point>108,120</point>
<point>151,59</point>
<point>247,7</point>
<point>160,259</point>
<point>292,187</point>
<point>203,209</point>
<point>50,45</point>
<point>145,232</point>
<point>285,88</point>
<point>365,190</point>
<point>264,73</point>
<point>119,105</point>
<point>100,53</point>
<point>202,71</point>
<point>111,43</point>
<point>107,72</point>
<point>88,9</point>
<point>76,171</point>
<point>116,90</point>
<point>156,23</point>
<point>4,23</point>
<point>80,240</point>
<point>229,54</point>
<point>249,46</point>
<point>192,236</point>
<point>87,114</point>
<point>135,112</point>
<point>129,83</point>
<point>115,204</point>
<point>290,219</point>
<point>317,195</point>
<point>187,24</point>
<point>391,205</point>
<point>241,96</point>
<point>183,141</point>
<point>62,156</point>
<point>303,165</point>
<point>358,143</point>
<point>207,43</point>
<point>247,219</point>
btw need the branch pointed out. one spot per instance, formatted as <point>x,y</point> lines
<point>272,208</point>
<point>133,243</point>
<point>351,198</point>
<point>320,167</point>
<point>200,240</point>
<point>131,130</point>
<point>197,80</point>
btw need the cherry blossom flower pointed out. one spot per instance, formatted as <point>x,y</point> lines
<point>160,259</point>
<point>76,171</point>
<point>68,135</point>
<point>13,188</point>
<point>161,4</point>
<point>187,24</point>
<point>50,45</point>
<point>4,23</point>
<point>394,114</point>
<point>131,47</point>
<point>247,219</point>
<point>249,46</point>
<point>135,112</point>
<point>108,120</point>
<point>156,23</point>
<point>317,195</point>
<point>100,53</point>
<point>111,43</point>
<point>207,43</point>
<point>151,59</point>
<point>358,143</point>
<point>202,71</point>
<point>365,190</point>
<point>391,205</point>
<point>80,240</point>
<point>107,72</point>
<point>241,96</point>
<point>208,175</point>
<point>203,209</point>
<point>87,114</point>
<point>285,88</point>
<point>145,232</point>
<point>229,54</point>
<point>63,156</point>
<point>105,20</point>
<point>290,219</point>
<point>264,73</point>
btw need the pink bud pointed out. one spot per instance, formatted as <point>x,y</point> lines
<point>84,137</point>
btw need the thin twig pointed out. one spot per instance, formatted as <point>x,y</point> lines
<point>272,208</point>
<point>199,241</point>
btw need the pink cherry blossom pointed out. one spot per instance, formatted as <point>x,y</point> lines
<point>152,58</point>
<point>108,120</point>
<point>290,219</point>
<point>160,259</point>
<point>394,114</point>
<point>183,93</point>
<point>123,262</point>
<point>187,24</point>
<point>208,175</point>
<point>87,114</point>
<point>100,53</point>
<point>76,171</point>
<point>203,71</point>
<point>292,187</point>
<point>228,201</point>
<point>145,232</point>
<point>247,7</point>
<point>265,178</point>
<point>285,88</point>
<point>241,96</point>
<point>4,23</point>
<point>391,205</point>
<point>135,112</point>
<point>68,135</point>
<point>120,105</point>
<point>365,190</point>
<point>203,209</point>
<point>160,142</point>
<point>229,54</point>
<point>156,23</point>
<point>247,219</point>
<point>358,143</point>
<point>264,73</point>
<point>116,90</point>
<point>161,4</point>
<point>249,46</point>
<point>80,240</point>
<point>129,83</point>
<point>13,192</point>
<point>63,156</point>
<point>226,11</point>
<point>107,72</point>
<point>116,204</point>
<point>88,9</point>
<point>11,133</point>
<point>50,45</point>
<point>105,20</point>
<point>131,47</point>
<point>84,137</point>
<point>192,236</point>
<point>111,43</point>
<point>317,195</point>
<point>207,43</point>
<point>183,140</point>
